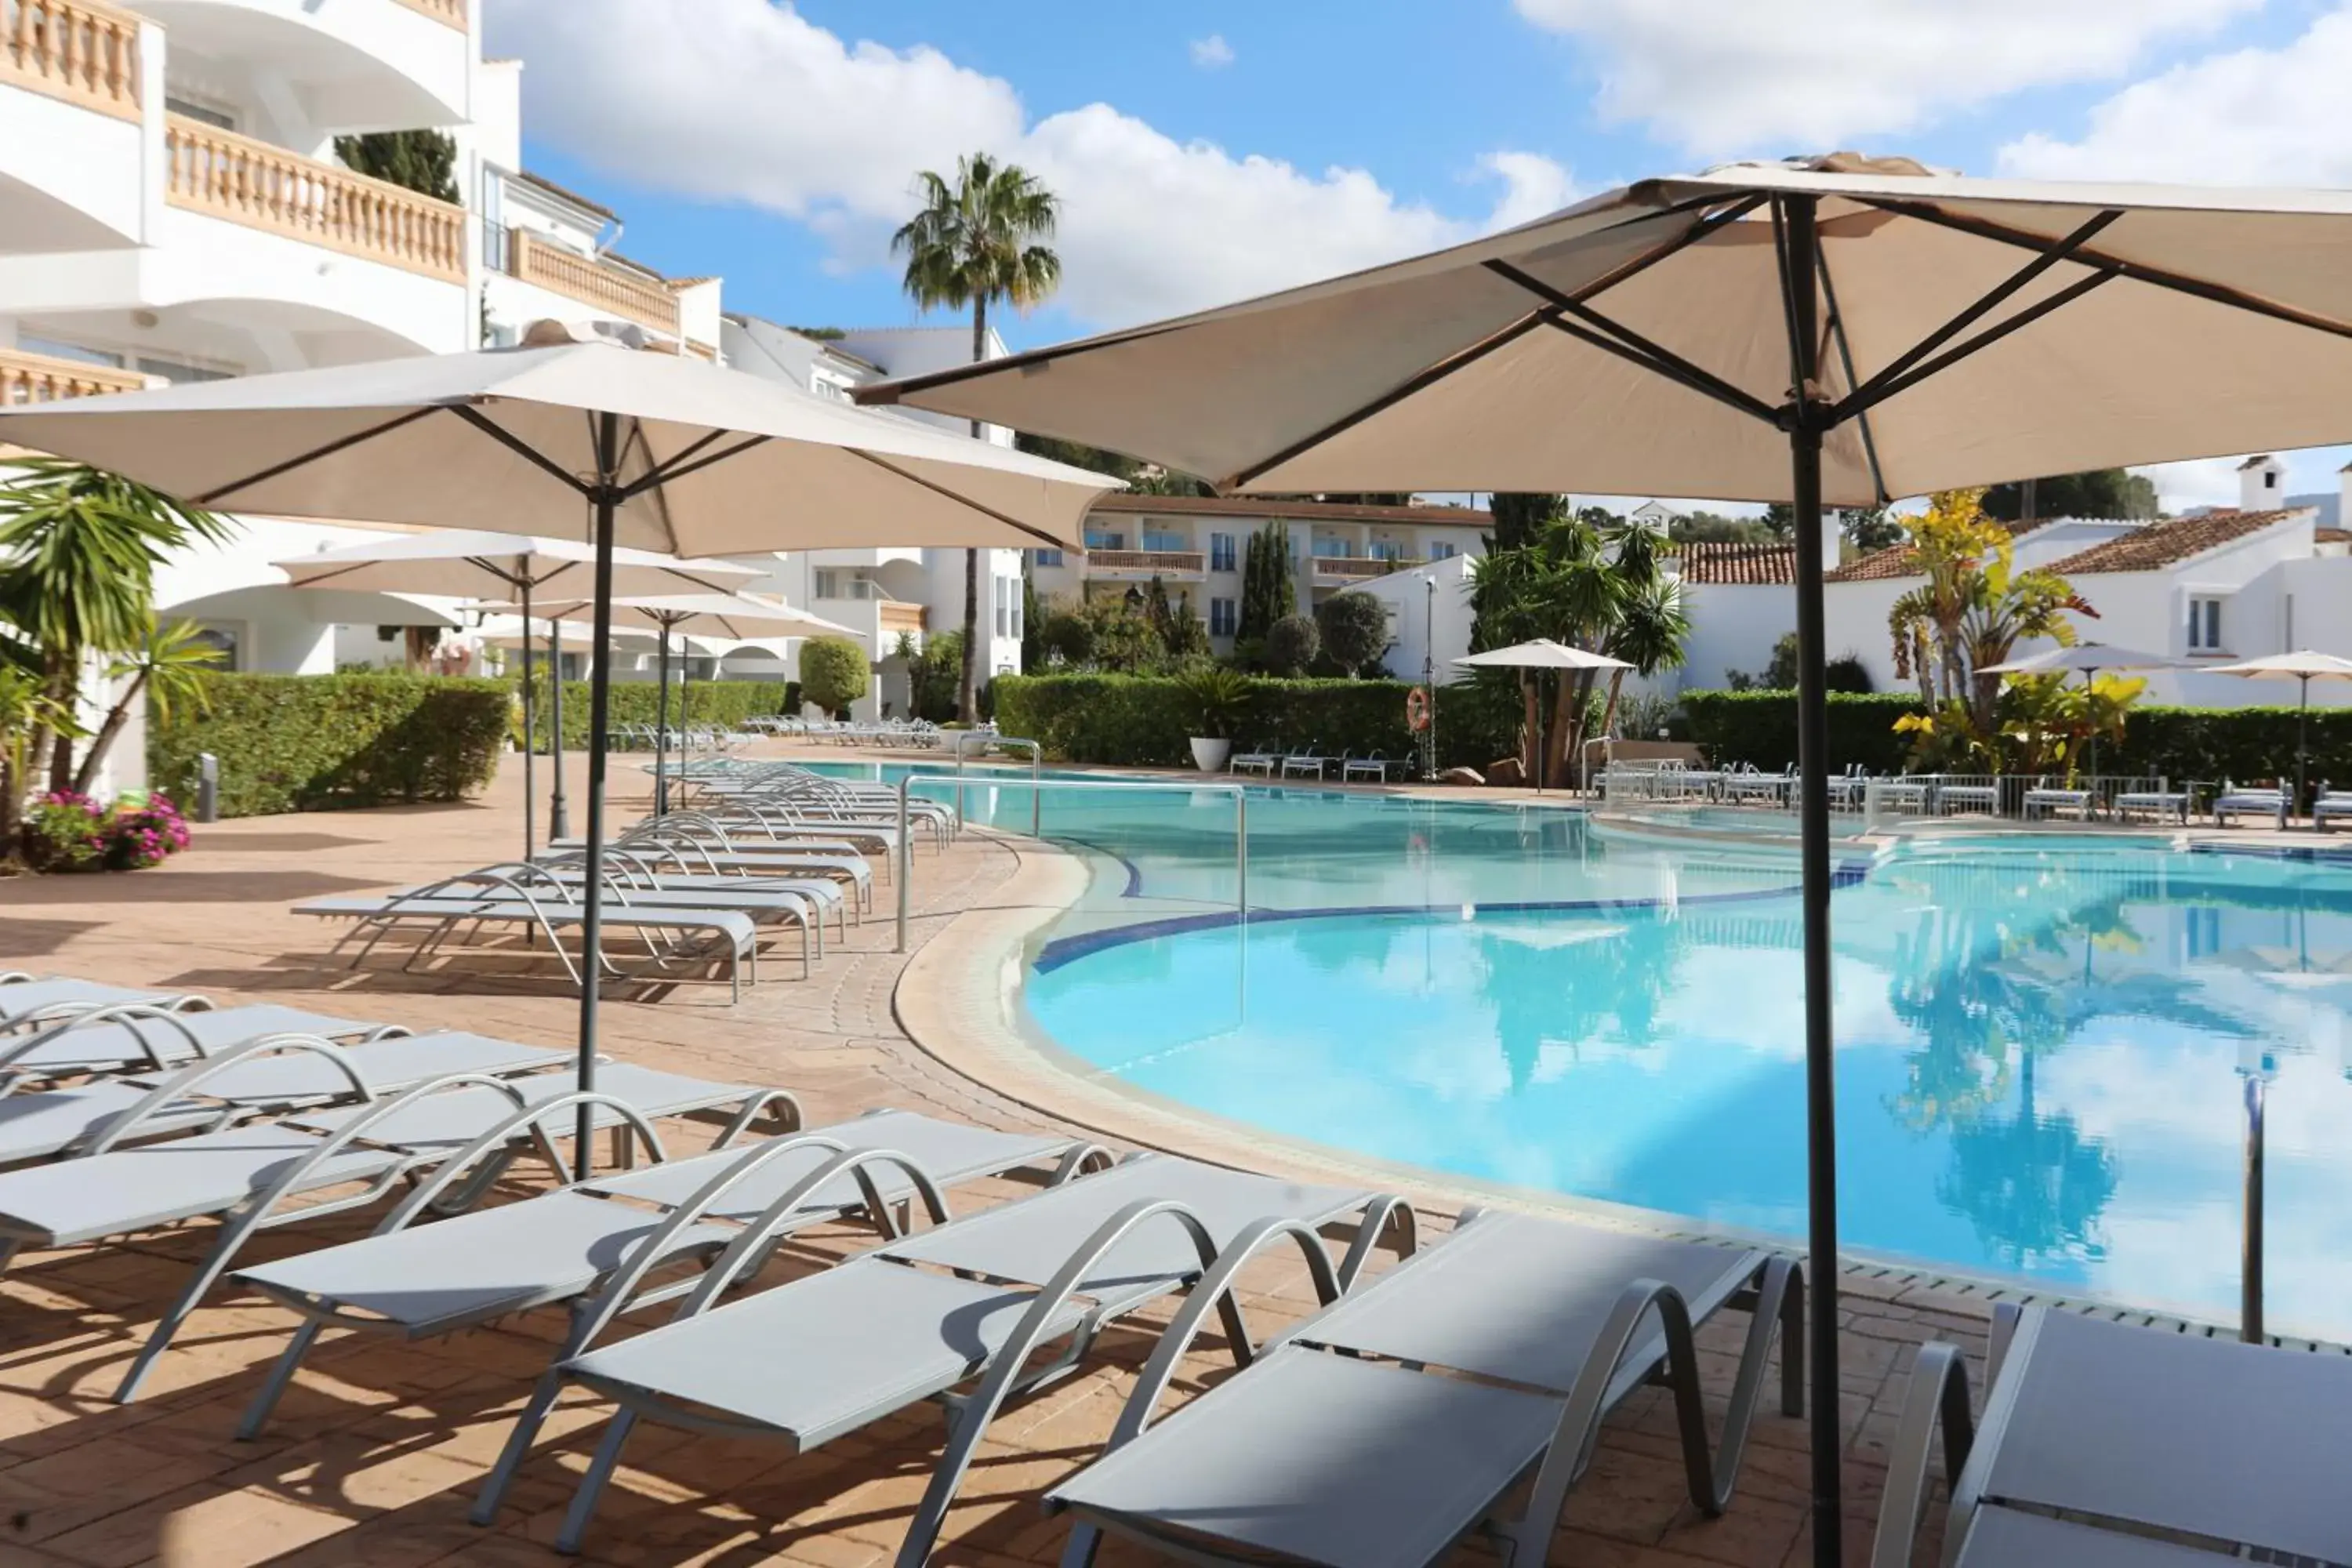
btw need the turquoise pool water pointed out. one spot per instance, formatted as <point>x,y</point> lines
<point>2042,1045</point>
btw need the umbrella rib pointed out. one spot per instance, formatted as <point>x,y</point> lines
<point>1459,360</point>
<point>1681,241</point>
<point>341,443</point>
<point>2064,250</point>
<point>939,490</point>
<point>2138,271</point>
<point>517,446</point>
<point>1858,402</point>
<point>1846,358</point>
<point>679,467</point>
<point>1634,347</point>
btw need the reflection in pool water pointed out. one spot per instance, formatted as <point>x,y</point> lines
<point>2043,1044</point>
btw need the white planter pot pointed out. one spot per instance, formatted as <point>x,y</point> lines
<point>1208,755</point>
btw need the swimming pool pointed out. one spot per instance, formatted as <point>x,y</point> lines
<point>2043,1044</point>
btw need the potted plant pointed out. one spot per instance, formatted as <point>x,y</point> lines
<point>1218,696</point>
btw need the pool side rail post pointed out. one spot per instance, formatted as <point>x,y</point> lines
<point>2250,1285</point>
<point>906,858</point>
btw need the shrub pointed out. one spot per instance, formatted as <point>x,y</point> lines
<point>306,742</point>
<point>726,703</point>
<point>66,832</point>
<point>832,672</point>
<point>1218,696</point>
<point>1354,629</point>
<point>1291,644</point>
<point>1760,727</point>
<point>1147,722</point>
<point>140,836</point>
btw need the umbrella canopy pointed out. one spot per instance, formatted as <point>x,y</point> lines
<point>1542,653</point>
<point>2307,665</point>
<point>1970,330</point>
<point>651,450</point>
<point>2089,657</point>
<point>512,631</point>
<point>738,617</point>
<point>464,564</point>
<point>1839,330</point>
<point>702,460</point>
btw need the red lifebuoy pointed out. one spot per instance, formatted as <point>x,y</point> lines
<point>1416,709</point>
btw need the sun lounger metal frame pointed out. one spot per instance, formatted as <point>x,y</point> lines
<point>1376,764</point>
<point>1052,1314</point>
<point>1263,760</point>
<point>2233,802</point>
<point>436,911</point>
<point>1306,758</point>
<point>2050,801</point>
<point>2156,802</point>
<point>1625,1352</point>
<point>65,996</point>
<point>672,1233</point>
<point>2238,1447</point>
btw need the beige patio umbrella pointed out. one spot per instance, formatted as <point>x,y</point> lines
<point>576,439</point>
<point>1839,330</point>
<point>2304,666</point>
<point>2089,657</point>
<point>734,617</point>
<point>1542,653</point>
<point>463,562</point>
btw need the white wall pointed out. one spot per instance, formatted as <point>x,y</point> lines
<point>1416,619</point>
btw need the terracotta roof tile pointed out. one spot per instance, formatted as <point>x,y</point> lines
<point>1737,564</point>
<point>2168,541</point>
<point>1300,510</point>
<point>1895,561</point>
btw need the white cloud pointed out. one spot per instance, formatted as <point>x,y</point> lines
<point>2272,117</point>
<point>1722,78</point>
<point>1213,53</point>
<point>747,100</point>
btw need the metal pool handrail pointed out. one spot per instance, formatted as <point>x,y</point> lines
<point>1037,785</point>
<point>1037,768</point>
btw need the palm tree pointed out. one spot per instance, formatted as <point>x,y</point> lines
<point>79,549</point>
<point>975,242</point>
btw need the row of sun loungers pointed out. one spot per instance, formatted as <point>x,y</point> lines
<point>1457,1390</point>
<point>766,852</point>
<point>1308,761</point>
<point>920,733</point>
<point>1454,1394</point>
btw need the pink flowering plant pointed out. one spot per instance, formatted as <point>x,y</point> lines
<point>141,835</point>
<point>66,832</point>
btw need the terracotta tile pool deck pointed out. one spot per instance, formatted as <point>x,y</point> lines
<point>379,1449</point>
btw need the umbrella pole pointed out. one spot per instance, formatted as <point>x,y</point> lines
<point>1800,280</point>
<point>600,694</point>
<point>661,723</point>
<point>558,815</point>
<point>2302,742</point>
<point>529,733</point>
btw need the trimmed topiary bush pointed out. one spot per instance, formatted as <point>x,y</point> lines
<point>313,742</point>
<point>1354,629</point>
<point>832,673</point>
<point>1291,644</point>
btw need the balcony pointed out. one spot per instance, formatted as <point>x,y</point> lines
<point>1149,563</point>
<point>1359,568</point>
<point>611,290</point>
<point>451,11</point>
<point>82,52</point>
<point>896,616</point>
<point>38,378</point>
<point>236,178</point>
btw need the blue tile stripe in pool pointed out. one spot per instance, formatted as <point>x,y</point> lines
<point>1070,949</point>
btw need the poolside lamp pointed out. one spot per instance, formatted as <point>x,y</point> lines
<point>1837,329</point>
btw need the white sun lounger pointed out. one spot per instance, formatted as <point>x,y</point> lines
<point>676,940</point>
<point>822,1356</point>
<point>28,999</point>
<point>2052,801</point>
<point>2127,1431</point>
<point>422,1281</point>
<point>249,1177</point>
<point>2156,804</point>
<point>137,1036</point>
<point>1340,1447</point>
<point>2235,803</point>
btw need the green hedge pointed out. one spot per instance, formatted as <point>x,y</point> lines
<point>313,742</point>
<point>1760,727</point>
<point>724,702</point>
<point>1145,720</point>
<point>2177,743</point>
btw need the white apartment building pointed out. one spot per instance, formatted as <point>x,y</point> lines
<point>1196,546</point>
<point>880,594</point>
<point>172,209</point>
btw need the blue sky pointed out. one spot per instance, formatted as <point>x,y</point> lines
<point>1208,150</point>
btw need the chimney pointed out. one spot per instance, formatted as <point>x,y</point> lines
<point>2262,483</point>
